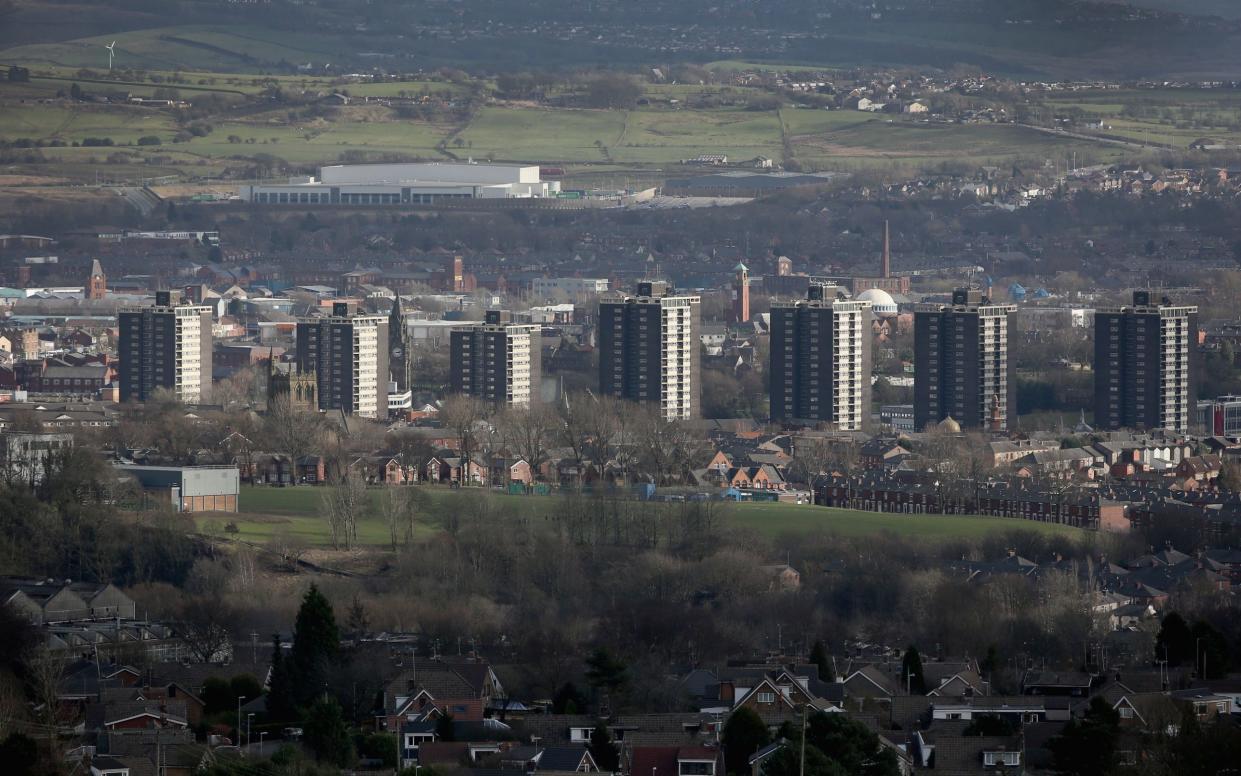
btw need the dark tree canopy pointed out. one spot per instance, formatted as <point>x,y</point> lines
<point>1088,745</point>
<point>850,744</point>
<point>316,645</point>
<point>911,671</point>
<point>818,656</point>
<point>604,671</point>
<point>603,750</point>
<point>744,734</point>
<point>327,735</point>
<point>444,730</point>
<point>1175,643</point>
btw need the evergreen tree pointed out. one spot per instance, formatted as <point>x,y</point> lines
<point>850,745</point>
<point>605,671</point>
<point>444,729</point>
<point>1212,648</point>
<point>818,656</point>
<point>911,671</point>
<point>316,646</point>
<point>603,750</point>
<point>1088,745</point>
<point>744,734</point>
<point>567,700</point>
<point>991,663</point>
<point>327,735</point>
<point>1175,642</point>
<point>280,703</point>
<point>787,762</point>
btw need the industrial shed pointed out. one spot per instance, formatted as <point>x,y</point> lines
<point>190,488</point>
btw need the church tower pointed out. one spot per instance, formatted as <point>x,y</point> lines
<point>399,361</point>
<point>97,284</point>
<point>741,294</point>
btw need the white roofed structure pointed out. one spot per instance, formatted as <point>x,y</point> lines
<point>420,183</point>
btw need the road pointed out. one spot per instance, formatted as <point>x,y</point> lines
<point>144,201</point>
<point>1096,139</point>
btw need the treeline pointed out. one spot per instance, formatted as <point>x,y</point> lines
<point>684,585</point>
<point>67,526</point>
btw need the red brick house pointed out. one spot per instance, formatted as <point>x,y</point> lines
<point>425,693</point>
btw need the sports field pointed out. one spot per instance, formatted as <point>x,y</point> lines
<point>295,512</point>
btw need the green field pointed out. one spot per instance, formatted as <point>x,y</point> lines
<point>1175,117</point>
<point>294,511</point>
<point>546,135</point>
<point>643,144</point>
<point>192,47</point>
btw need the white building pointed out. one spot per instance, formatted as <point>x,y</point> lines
<point>571,287</point>
<point>404,184</point>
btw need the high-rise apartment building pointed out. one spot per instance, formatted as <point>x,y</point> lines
<point>496,360</point>
<point>649,349</point>
<point>1145,359</point>
<point>820,361</point>
<point>961,366</point>
<point>348,354</point>
<point>166,345</point>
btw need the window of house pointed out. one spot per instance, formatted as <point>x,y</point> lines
<point>766,697</point>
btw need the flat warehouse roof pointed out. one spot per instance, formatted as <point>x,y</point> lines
<point>431,172</point>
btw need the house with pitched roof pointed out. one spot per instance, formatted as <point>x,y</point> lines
<point>426,691</point>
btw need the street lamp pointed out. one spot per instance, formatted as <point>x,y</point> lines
<point>262,734</point>
<point>249,717</point>
<point>239,697</point>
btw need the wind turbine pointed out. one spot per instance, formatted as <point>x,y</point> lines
<point>111,47</point>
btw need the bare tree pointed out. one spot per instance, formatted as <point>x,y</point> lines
<point>813,456</point>
<point>294,432</point>
<point>44,671</point>
<point>245,568</point>
<point>204,626</point>
<point>237,390</point>
<point>570,428</point>
<point>461,416</point>
<point>666,450</point>
<point>287,547</point>
<point>343,503</point>
<point>413,450</point>
<point>527,431</point>
<point>401,507</point>
<point>12,703</point>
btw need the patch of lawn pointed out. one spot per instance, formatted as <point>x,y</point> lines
<point>268,510</point>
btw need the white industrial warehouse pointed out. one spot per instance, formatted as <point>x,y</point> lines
<point>405,184</point>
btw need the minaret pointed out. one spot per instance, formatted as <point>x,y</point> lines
<point>97,284</point>
<point>741,294</point>
<point>887,252</point>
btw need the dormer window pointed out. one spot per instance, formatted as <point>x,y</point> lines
<point>1005,759</point>
<point>695,768</point>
